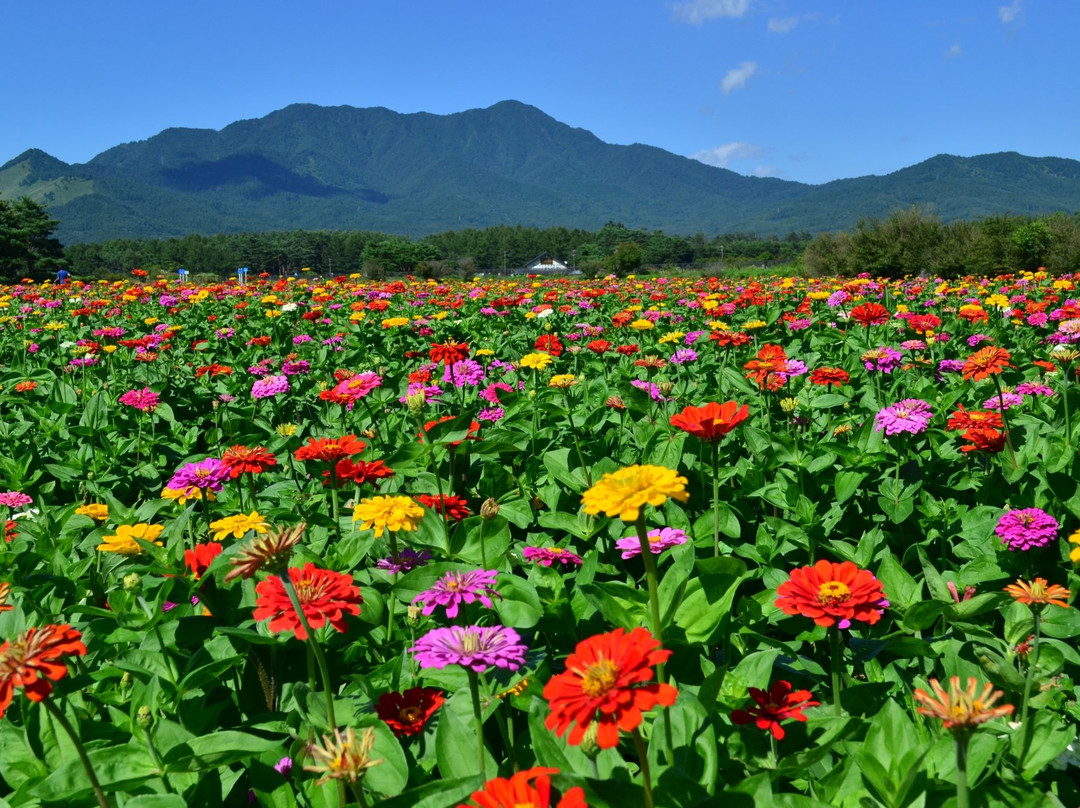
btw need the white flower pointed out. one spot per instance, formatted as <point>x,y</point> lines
<point>29,513</point>
<point>289,307</point>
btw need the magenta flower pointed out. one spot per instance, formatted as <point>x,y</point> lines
<point>466,372</point>
<point>15,499</point>
<point>1026,528</point>
<point>1006,401</point>
<point>474,647</point>
<point>882,360</point>
<point>206,474</point>
<point>145,400</point>
<point>404,561</point>
<point>546,556</point>
<point>660,539</point>
<point>456,588</point>
<point>911,415</point>
<point>270,386</point>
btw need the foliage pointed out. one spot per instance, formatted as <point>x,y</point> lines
<point>27,244</point>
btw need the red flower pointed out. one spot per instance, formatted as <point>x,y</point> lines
<point>769,369</point>
<point>729,339</point>
<point>826,376</point>
<point>599,346</point>
<point>325,596</point>
<point>983,439</point>
<point>986,362</point>
<point>330,450</point>
<point>457,508</point>
<point>359,472</point>
<point>922,323</point>
<point>974,419</point>
<point>774,705</point>
<point>25,387</point>
<point>628,350</point>
<point>605,682</point>
<point>199,558</point>
<point>259,342</point>
<point>869,314</point>
<point>831,594</point>
<point>518,792</point>
<point>10,529</point>
<point>241,459</point>
<point>711,422</point>
<point>31,661</point>
<point>448,352</point>
<point>407,712</point>
<point>549,344</point>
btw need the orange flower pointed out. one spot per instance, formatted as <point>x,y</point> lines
<point>1038,593</point>
<point>961,710</point>
<point>31,661</point>
<point>199,558</point>
<point>986,362</point>
<point>330,450</point>
<point>325,596</point>
<point>519,792</point>
<point>769,369</point>
<point>448,352</point>
<point>869,314</point>
<point>711,422</point>
<point>975,419</point>
<point>830,593</point>
<point>25,387</point>
<point>240,459</point>
<point>983,439</point>
<point>605,682</point>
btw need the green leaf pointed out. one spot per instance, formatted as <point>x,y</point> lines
<point>621,604</point>
<point>455,741</point>
<point>116,768</point>
<point>218,749</point>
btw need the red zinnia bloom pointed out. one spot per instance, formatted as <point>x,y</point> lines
<point>830,593</point>
<point>199,558</point>
<point>922,323</point>
<point>25,387</point>
<point>241,459</point>
<point>605,682</point>
<point>325,596</point>
<point>330,450</point>
<point>986,362</point>
<point>730,339</point>
<point>10,529</point>
<point>214,370</point>
<point>599,346</point>
<point>420,377</point>
<point>448,352</point>
<point>711,422</point>
<point>407,712</point>
<point>549,344</point>
<point>869,314</point>
<point>826,376</point>
<point>519,792</point>
<point>983,439</point>
<point>259,342</point>
<point>774,705</point>
<point>457,508</point>
<point>974,419</point>
<point>628,350</point>
<point>769,369</point>
<point>31,661</point>
<point>359,472</point>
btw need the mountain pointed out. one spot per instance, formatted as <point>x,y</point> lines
<point>343,168</point>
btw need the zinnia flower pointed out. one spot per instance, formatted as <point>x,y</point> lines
<point>837,377</point>
<point>241,459</point>
<point>95,510</point>
<point>387,513</point>
<point>605,681</point>
<point>868,314</point>
<point>124,541</point>
<point>208,474</point>
<point>145,400</point>
<point>961,710</point>
<point>236,526</point>
<point>623,493</point>
<point>518,791</point>
<point>343,757</point>
<point>404,561</point>
<point>270,386</point>
<point>456,588</point>
<point>536,361</point>
<point>407,712</point>
<point>199,558</point>
<point>453,506</point>
<point>32,661</point>
<point>1039,593</point>
<point>546,556</point>
<point>986,362</point>
<point>270,552</point>
<point>1026,528</point>
<point>832,594</point>
<point>774,705</point>
<point>15,499</point>
<point>325,596</point>
<point>330,450</point>
<point>474,647</point>
<point>912,415</point>
<point>660,539</point>
<point>448,352</point>
<point>711,422</point>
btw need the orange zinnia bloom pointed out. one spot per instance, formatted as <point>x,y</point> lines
<point>869,314</point>
<point>986,362</point>
<point>711,422</point>
<point>519,792</point>
<point>983,439</point>
<point>31,661</point>
<point>769,369</point>
<point>330,450</point>
<point>830,593</point>
<point>605,682</point>
<point>1038,593</point>
<point>448,352</point>
<point>325,596</point>
<point>241,459</point>
<point>975,419</point>
<point>961,710</point>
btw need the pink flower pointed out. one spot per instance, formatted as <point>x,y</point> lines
<point>14,499</point>
<point>911,415</point>
<point>456,588</point>
<point>660,539</point>
<point>546,556</point>
<point>145,400</point>
<point>1026,528</point>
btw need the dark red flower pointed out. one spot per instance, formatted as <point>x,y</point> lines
<point>407,712</point>
<point>457,508</point>
<point>774,705</point>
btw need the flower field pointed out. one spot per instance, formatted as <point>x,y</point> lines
<point>540,542</point>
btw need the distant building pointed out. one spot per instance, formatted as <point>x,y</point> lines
<point>543,264</point>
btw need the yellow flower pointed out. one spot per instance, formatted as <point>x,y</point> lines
<point>95,511</point>
<point>238,525</point>
<point>672,336</point>
<point>53,325</point>
<point>108,348</point>
<point>343,757</point>
<point>563,380</point>
<point>124,542</point>
<point>536,361</point>
<point>150,321</point>
<point>484,352</point>
<point>623,493</point>
<point>286,430</point>
<point>272,313</point>
<point>395,322</point>
<point>754,324</point>
<point>642,325</point>
<point>182,495</point>
<point>1074,554</point>
<point>387,513</point>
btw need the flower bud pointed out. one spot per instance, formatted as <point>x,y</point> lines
<point>144,717</point>
<point>588,743</point>
<point>789,404</point>
<point>489,509</point>
<point>132,582</point>
<point>412,614</point>
<point>416,402</point>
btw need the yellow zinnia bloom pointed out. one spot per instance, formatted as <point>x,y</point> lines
<point>672,336</point>
<point>563,380</point>
<point>94,510</point>
<point>623,493</point>
<point>536,361</point>
<point>1074,553</point>
<point>238,525</point>
<point>124,542</point>
<point>394,322</point>
<point>388,513</point>
<point>642,325</point>
<point>182,495</point>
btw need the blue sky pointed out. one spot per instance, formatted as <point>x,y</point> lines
<point>798,89</point>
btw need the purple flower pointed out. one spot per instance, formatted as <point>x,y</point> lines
<point>15,499</point>
<point>951,366</point>
<point>270,386</point>
<point>295,368</point>
<point>1026,528</point>
<point>911,415</point>
<point>882,360</point>
<point>474,647</point>
<point>467,372</point>
<point>491,414</point>
<point>546,556</point>
<point>206,474</point>
<point>1006,401</point>
<point>683,356</point>
<point>837,298</point>
<point>284,766</point>
<point>456,588</point>
<point>660,539</point>
<point>1034,389</point>
<point>404,561</point>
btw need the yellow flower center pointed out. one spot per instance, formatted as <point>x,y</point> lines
<point>833,592</point>
<point>599,678</point>
<point>409,714</point>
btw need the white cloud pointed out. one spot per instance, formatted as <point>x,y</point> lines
<point>721,156</point>
<point>782,26</point>
<point>952,52</point>
<point>696,12</point>
<point>736,78</point>
<point>764,171</point>
<point>1010,12</point>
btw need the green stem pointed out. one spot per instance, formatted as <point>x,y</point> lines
<point>1005,419</point>
<point>478,717</point>
<point>157,759</point>
<point>716,498</point>
<point>1033,655</point>
<point>61,719</point>
<point>577,443</point>
<point>650,577</point>
<point>643,761</point>
<point>837,662</point>
<point>961,770</point>
<point>313,644</point>
<point>358,792</point>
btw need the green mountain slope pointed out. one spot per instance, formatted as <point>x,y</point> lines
<point>311,167</point>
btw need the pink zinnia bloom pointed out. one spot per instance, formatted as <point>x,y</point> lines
<point>270,386</point>
<point>546,556</point>
<point>911,415</point>
<point>1026,528</point>
<point>456,588</point>
<point>206,474</point>
<point>1007,401</point>
<point>145,400</point>
<point>474,647</point>
<point>660,539</point>
<point>467,372</point>
<point>15,499</point>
